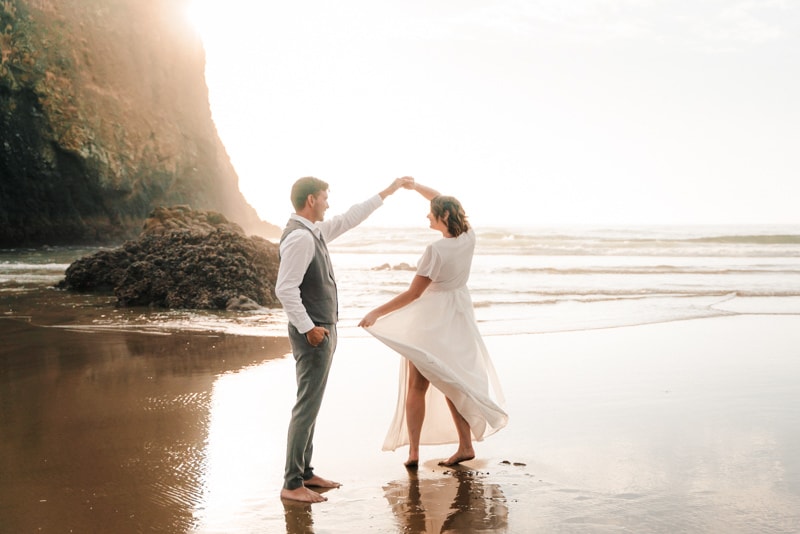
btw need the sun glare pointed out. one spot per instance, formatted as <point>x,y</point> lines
<point>299,89</point>
<point>200,15</point>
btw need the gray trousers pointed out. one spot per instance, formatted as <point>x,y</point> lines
<point>312,365</point>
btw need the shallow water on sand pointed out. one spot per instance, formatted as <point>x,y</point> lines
<point>107,430</point>
<point>689,426</point>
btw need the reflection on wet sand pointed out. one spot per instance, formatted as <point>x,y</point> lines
<point>298,518</point>
<point>682,427</point>
<point>106,431</point>
<point>459,501</point>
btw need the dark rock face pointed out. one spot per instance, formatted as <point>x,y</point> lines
<point>184,259</point>
<point>104,115</point>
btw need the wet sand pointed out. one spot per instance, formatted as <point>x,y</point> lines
<point>105,431</point>
<point>690,426</point>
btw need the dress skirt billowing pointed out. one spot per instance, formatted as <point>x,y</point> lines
<point>439,335</point>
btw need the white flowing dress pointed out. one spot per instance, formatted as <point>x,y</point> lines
<point>439,335</point>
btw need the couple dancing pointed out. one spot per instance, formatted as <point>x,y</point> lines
<point>431,325</point>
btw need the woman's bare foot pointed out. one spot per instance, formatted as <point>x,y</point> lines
<point>413,458</point>
<point>458,457</point>
<point>302,494</point>
<point>319,482</point>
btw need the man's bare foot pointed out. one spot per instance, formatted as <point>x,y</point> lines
<point>302,494</point>
<point>458,457</point>
<point>319,482</point>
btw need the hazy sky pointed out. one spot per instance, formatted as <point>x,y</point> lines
<point>529,111</point>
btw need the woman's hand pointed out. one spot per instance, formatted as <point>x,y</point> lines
<point>397,184</point>
<point>418,286</point>
<point>369,319</point>
<point>406,182</point>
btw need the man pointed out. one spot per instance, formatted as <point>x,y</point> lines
<point>307,289</point>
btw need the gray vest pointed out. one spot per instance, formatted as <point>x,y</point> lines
<point>318,288</point>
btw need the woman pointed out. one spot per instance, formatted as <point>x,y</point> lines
<point>432,325</point>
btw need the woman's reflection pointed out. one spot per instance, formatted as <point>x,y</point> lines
<point>460,501</point>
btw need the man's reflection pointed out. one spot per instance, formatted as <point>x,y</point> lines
<point>298,517</point>
<point>460,501</point>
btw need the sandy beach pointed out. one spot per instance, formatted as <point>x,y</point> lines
<point>689,426</point>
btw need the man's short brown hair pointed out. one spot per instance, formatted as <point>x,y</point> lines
<point>304,187</point>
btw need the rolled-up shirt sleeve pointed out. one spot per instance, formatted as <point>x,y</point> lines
<point>297,251</point>
<point>350,219</point>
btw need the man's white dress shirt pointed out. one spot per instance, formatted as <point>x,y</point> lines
<point>297,251</point>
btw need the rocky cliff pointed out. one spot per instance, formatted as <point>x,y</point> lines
<point>104,115</point>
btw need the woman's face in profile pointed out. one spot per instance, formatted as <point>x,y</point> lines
<point>437,223</point>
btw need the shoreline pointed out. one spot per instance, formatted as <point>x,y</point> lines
<point>687,425</point>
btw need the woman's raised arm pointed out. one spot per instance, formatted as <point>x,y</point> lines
<point>428,192</point>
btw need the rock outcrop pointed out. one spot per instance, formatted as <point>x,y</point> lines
<point>183,259</point>
<point>104,115</point>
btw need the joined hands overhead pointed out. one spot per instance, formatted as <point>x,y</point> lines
<point>405,182</point>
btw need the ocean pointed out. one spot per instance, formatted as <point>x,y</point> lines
<point>524,280</point>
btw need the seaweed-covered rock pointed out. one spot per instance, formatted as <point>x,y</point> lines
<point>183,259</point>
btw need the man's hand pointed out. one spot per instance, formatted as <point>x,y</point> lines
<point>316,335</point>
<point>406,182</point>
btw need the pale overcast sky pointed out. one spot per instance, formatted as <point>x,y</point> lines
<point>531,112</point>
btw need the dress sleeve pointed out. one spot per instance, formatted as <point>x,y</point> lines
<point>430,263</point>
